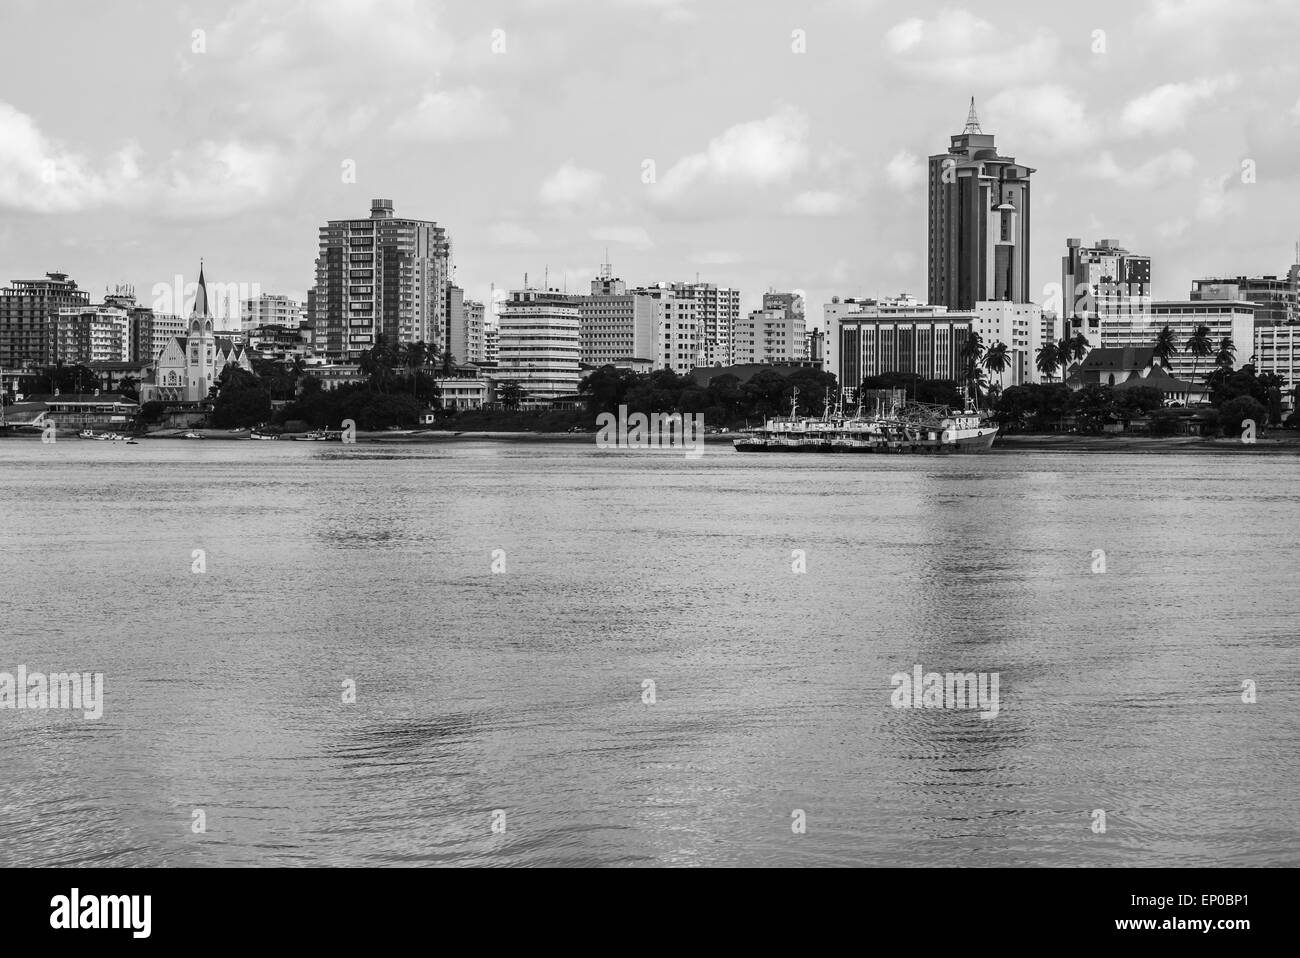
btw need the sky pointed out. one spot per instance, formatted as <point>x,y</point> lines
<point>759,144</point>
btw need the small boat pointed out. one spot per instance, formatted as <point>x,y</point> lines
<point>192,435</point>
<point>132,442</point>
<point>259,435</point>
<point>319,435</point>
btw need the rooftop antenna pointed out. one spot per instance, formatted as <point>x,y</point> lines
<point>972,121</point>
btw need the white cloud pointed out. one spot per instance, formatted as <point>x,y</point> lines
<point>1167,107</point>
<point>571,186</point>
<point>1215,203</point>
<point>1048,118</point>
<point>634,236</point>
<point>958,46</point>
<point>750,155</point>
<point>452,115</point>
<point>819,203</point>
<point>209,178</point>
<point>1164,168</point>
<point>717,257</point>
<point>905,171</point>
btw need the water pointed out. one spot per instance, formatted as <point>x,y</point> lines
<point>522,691</point>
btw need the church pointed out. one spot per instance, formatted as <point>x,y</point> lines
<point>189,366</point>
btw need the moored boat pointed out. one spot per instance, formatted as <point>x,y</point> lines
<point>895,427</point>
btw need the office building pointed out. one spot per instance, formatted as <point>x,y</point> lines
<point>978,222</point>
<point>1277,299</point>
<point>270,309</point>
<point>79,335</point>
<point>540,343</point>
<point>717,309</point>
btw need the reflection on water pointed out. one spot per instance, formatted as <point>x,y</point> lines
<point>522,691</point>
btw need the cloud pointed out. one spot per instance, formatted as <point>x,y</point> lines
<point>905,171</point>
<point>1215,203</point>
<point>512,234</point>
<point>634,236</point>
<point>717,257</point>
<point>207,178</point>
<point>958,46</point>
<point>571,186</point>
<point>1047,118</point>
<point>1164,168</point>
<point>746,157</point>
<point>819,203</point>
<point>452,115</point>
<point>1166,108</point>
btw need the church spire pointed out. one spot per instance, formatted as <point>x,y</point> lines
<point>201,295</point>
<point>972,121</point>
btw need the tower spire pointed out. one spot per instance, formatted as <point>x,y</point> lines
<point>972,121</point>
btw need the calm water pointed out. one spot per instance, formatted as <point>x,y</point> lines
<point>522,691</point>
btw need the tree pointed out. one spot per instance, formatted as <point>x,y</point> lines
<point>1235,411</point>
<point>1047,359</point>
<point>1226,354</point>
<point>241,399</point>
<point>1200,346</point>
<point>511,394</point>
<point>996,360</point>
<point>1164,346</point>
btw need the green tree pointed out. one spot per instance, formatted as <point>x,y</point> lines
<point>1235,411</point>
<point>996,360</point>
<point>1226,355</point>
<point>511,394</point>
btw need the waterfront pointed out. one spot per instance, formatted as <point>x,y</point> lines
<point>523,690</point>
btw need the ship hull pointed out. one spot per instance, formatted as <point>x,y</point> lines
<point>981,441</point>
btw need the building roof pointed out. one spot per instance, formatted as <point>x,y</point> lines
<point>1158,378</point>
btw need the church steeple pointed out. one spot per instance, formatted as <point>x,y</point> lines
<point>972,121</point>
<point>201,296</point>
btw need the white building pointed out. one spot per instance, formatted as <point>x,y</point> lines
<point>1235,320</point>
<point>1277,351</point>
<point>540,345</point>
<point>271,309</point>
<point>618,326</point>
<point>90,334</point>
<point>189,366</point>
<point>1020,327</point>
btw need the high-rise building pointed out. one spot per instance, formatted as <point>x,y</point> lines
<point>717,308</point>
<point>774,334</point>
<point>1098,281</point>
<point>27,309</point>
<point>271,309</point>
<point>618,326</point>
<point>491,345</point>
<point>381,276</point>
<point>1277,298</point>
<point>1018,326</point>
<point>927,343</point>
<point>676,329</point>
<point>539,345</point>
<point>90,334</point>
<point>979,222</point>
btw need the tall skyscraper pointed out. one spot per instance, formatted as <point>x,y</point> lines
<point>27,309</point>
<point>979,222</point>
<point>381,276</point>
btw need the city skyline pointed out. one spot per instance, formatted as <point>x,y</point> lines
<point>795,178</point>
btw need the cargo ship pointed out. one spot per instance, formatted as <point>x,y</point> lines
<point>895,426</point>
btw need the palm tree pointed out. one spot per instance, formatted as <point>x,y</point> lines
<point>1164,346</point>
<point>1047,359</point>
<point>996,360</point>
<point>414,356</point>
<point>972,351</point>
<point>1200,346</point>
<point>1227,352</point>
<point>1079,346</point>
